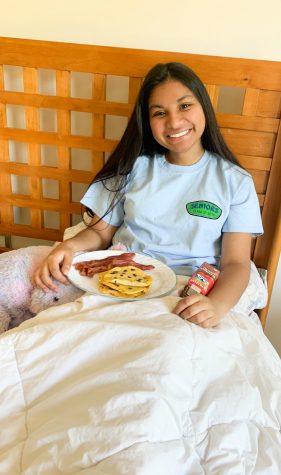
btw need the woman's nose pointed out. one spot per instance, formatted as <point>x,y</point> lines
<point>173,120</point>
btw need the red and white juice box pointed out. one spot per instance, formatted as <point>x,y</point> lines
<point>201,281</point>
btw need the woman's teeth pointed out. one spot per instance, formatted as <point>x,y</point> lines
<point>180,134</point>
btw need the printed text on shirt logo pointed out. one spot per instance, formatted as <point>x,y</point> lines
<point>204,209</point>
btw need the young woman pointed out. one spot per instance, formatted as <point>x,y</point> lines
<point>173,190</point>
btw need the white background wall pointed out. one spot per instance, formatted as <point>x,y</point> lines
<point>244,28</point>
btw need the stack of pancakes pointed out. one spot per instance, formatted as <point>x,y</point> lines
<point>126,282</point>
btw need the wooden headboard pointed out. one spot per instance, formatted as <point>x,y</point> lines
<point>246,95</point>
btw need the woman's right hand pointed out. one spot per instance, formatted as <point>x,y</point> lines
<point>56,265</point>
<point>97,236</point>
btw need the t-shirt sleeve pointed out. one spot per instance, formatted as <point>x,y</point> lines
<point>99,198</point>
<point>244,213</point>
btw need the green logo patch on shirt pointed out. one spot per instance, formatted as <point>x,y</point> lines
<point>204,209</point>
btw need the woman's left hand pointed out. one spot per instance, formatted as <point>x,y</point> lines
<point>198,309</point>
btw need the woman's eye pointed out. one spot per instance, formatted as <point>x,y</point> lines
<point>158,114</point>
<point>184,106</point>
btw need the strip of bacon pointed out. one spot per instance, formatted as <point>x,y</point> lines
<point>101,265</point>
<point>105,260</point>
<point>96,270</point>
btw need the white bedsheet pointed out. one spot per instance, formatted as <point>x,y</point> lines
<point>102,386</point>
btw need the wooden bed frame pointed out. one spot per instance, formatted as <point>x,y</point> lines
<point>251,128</point>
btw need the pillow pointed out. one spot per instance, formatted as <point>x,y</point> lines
<point>255,295</point>
<point>73,230</point>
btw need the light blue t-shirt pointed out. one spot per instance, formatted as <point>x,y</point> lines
<point>177,214</point>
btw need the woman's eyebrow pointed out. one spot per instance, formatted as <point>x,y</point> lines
<point>158,106</point>
<point>184,97</point>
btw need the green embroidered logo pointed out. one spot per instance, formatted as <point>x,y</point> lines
<point>204,209</point>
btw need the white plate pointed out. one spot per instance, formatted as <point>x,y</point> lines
<point>164,279</point>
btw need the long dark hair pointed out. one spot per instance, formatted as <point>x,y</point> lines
<point>138,139</point>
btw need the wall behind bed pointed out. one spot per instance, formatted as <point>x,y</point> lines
<point>248,29</point>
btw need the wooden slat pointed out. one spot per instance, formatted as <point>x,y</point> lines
<point>213,92</point>
<point>29,231</point>
<point>48,204</point>
<point>6,212</point>
<point>251,100</point>
<point>271,216</point>
<point>259,124</point>
<point>51,138</point>
<point>255,163</point>
<point>244,142</point>
<point>269,104</point>
<point>32,119</point>
<point>272,264</point>
<point>98,128</point>
<point>64,128</point>
<point>134,87</point>
<point>53,173</point>
<point>65,103</point>
<point>136,62</point>
<point>260,180</point>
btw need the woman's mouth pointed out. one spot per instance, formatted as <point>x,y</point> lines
<point>179,134</point>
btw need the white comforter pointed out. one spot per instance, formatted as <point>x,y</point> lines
<point>102,386</point>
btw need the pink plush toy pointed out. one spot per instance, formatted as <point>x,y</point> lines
<point>19,299</point>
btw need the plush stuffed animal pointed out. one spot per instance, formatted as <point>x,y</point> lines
<point>19,299</point>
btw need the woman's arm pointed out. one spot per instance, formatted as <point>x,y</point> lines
<point>57,263</point>
<point>234,277</point>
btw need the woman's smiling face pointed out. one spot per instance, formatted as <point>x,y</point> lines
<point>177,121</point>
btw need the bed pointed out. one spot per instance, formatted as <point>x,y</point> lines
<point>106,386</point>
